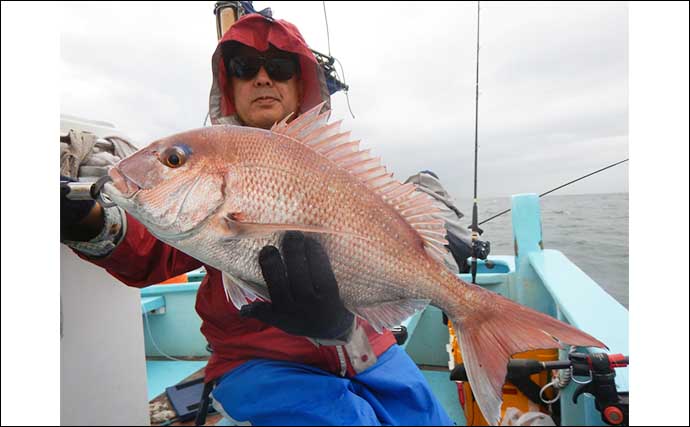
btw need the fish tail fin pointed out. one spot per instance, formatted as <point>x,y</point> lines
<point>495,329</point>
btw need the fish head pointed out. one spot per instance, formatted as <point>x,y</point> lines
<point>174,184</point>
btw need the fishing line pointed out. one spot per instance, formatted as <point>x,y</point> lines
<point>328,36</point>
<point>328,40</point>
<point>347,88</point>
<point>560,186</point>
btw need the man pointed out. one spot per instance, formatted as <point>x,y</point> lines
<point>287,362</point>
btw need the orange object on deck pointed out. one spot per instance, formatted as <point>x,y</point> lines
<point>512,397</point>
<point>182,278</point>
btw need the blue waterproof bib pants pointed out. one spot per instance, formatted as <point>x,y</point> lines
<point>269,392</point>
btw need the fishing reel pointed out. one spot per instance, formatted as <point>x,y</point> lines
<point>333,82</point>
<point>481,249</point>
<point>600,367</point>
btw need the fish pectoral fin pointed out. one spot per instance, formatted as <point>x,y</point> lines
<point>239,228</point>
<point>235,292</point>
<point>391,313</point>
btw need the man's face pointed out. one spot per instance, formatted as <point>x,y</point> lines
<point>261,100</point>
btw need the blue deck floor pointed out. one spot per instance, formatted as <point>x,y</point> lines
<point>447,392</point>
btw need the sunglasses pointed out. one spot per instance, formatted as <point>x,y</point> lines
<point>278,68</point>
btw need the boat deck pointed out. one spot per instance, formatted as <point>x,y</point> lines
<point>162,374</point>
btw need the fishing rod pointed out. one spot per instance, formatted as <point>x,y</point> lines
<point>554,189</point>
<point>87,190</point>
<point>476,231</point>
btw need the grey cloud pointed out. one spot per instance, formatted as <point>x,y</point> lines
<point>554,101</point>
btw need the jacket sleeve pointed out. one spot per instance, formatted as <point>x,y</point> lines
<point>140,259</point>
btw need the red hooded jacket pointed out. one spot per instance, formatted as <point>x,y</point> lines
<point>141,260</point>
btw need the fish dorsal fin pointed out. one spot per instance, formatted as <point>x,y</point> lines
<point>302,125</point>
<point>391,313</point>
<point>416,207</point>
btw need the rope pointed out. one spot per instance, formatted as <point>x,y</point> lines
<point>153,341</point>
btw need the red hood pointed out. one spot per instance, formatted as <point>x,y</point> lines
<point>258,32</point>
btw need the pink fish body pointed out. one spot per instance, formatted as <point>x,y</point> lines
<point>222,193</point>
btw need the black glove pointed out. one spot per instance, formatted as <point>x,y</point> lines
<point>304,293</point>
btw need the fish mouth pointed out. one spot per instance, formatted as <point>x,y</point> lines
<point>124,185</point>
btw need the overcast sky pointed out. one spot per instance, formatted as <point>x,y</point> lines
<point>553,80</point>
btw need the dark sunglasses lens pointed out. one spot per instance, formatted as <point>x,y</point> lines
<point>245,68</point>
<point>281,69</point>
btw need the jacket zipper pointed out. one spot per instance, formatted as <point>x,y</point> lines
<point>341,359</point>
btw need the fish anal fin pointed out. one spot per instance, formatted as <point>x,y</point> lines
<point>391,313</point>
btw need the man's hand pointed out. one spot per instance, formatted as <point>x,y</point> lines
<point>303,290</point>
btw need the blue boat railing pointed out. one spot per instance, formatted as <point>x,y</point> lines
<point>548,281</point>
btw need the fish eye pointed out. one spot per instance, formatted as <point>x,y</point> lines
<point>173,157</point>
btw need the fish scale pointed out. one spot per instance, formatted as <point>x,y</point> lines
<point>354,256</point>
<point>240,188</point>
